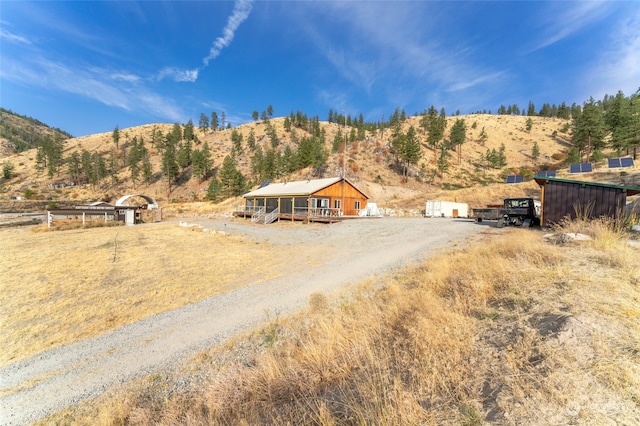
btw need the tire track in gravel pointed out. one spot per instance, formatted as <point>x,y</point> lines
<point>347,252</point>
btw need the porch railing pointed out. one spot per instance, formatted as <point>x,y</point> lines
<point>258,215</point>
<point>270,217</point>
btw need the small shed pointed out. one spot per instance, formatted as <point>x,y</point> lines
<point>437,208</point>
<point>317,198</point>
<point>98,210</point>
<point>569,198</point>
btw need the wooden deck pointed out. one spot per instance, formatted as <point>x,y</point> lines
<point>294,217</point>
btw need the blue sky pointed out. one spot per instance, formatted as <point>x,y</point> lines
<point>86,67</point>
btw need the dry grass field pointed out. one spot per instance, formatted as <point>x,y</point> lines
<point>516,329</point>
<point>58,287</point>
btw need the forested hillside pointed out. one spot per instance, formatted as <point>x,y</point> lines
<point>397,160</point>
<point>19,133</point>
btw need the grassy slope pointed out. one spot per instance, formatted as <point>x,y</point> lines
<point>373,161</point>
<point>514,329</point>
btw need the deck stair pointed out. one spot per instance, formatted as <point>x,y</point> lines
<point>271,216</point>
<point>258,215</point>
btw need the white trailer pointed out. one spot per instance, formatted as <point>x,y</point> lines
<point>436,208</point>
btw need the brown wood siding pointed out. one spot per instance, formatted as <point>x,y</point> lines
<point>564,199</point>
<point>350,196</point>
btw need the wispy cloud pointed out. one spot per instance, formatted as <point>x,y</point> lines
<point>110,87</point>
<point>563,19</point>
<point>482,79</point>
<point>14,38</point>
<point>241,11</point>
<point>619,65</point>
<point>179,75</point>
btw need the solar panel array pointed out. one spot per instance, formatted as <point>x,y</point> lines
<point>580,168</point>
<point>615,163</point>
<point>546,173</point>
<point>515,179</point>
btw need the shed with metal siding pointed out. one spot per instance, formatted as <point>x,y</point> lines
<point>563,198</point>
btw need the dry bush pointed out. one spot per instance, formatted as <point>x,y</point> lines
<point>509,331</point>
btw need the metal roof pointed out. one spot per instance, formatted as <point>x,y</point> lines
<point>630,190</point>
<point>301,187</point>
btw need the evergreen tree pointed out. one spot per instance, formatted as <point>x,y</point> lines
<point>116,136</point>
<point>147,169</point>
<point>203,124</point>
<point>74,165</point>
<point>437,124</point>
<point>410,150</point>
<point>236,138</point>
<point>134,160</point>
<point>170,167</point>
<point>187,133</point>
<point>251,140</point>
<point>232,181</point>
<point>529,124</point>
<point>459,136</point>
<point>535,150</point>
<point>214,121</point>
<point>589,130</point>
<point>255,115</point>
<point>7,170</point>
<point>185,152</point>
<point>214,190</point>
<point>531,110</point>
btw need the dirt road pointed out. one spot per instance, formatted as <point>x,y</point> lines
<point>336,254</point>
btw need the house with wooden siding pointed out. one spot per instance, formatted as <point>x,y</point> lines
<point>563,198</point>
<point>322,200</point>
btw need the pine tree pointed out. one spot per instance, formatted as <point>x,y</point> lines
<point>459,136</point>
<point>214,121</point>
<point>410,150</point>
<point>203,124</point>
<point>170,167</point>
<point>251,140</point>
<point>589,130</point>
<point>535,150</point>
<point>214,190</point>
<point>231,179</point>
<point>529,124</point>
<point>187,133</point>
<point>437,124</point>
<point>116,136</point>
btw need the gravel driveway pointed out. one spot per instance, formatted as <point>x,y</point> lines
<point>342,253</point>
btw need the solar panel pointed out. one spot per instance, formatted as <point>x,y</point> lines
<point>265,183</point>
<point>515,179</point>
<point>580,168</point>
<point>626,162</point>
<point>546,173</point>
<point>614,163</point>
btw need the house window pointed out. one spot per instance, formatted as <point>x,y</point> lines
<point>336,204</point>
<point>357,205</point>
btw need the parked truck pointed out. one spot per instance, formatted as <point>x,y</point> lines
<point>523,212</point>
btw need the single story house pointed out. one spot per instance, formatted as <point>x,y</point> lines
<point>571,198</point>
<point>329,198</point>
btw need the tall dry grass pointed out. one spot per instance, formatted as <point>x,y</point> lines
<point>58,287</point>
<point>513,330</point>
